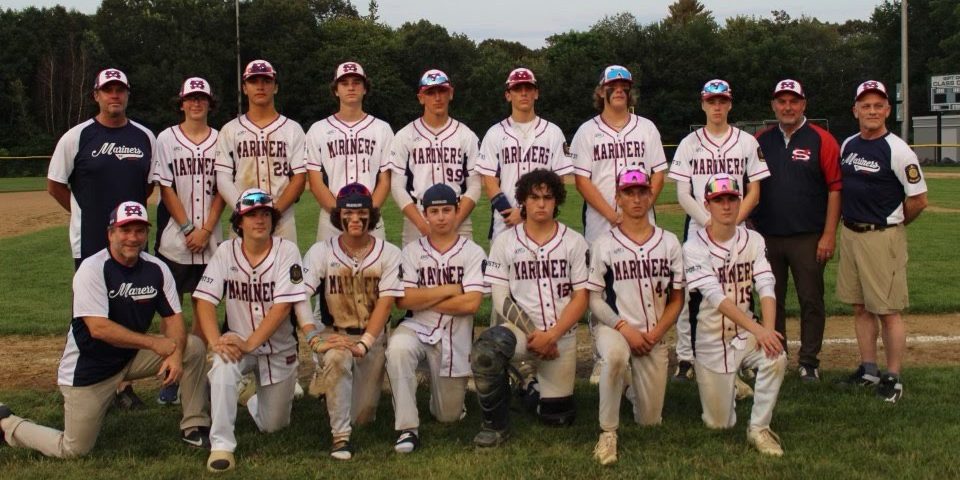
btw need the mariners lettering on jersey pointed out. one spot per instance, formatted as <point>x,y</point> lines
<point>261,148</point>
<point>433,276</point>
<point>736,273</point>
<point>188,166</point>
<point>249,292</point>
<point>137,294</point>
<point>119,151</point>
<point>351,146</point>
<point>537,269</point>
<point>710,166</point>
<point>861,164</point>
<point>606,151</point>
<point>351,285</point>
<point>512,154</point>
<point>643,268</point>
<point>430,155</point>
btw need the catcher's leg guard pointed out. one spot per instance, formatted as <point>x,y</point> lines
<point>491,357</point>
<point>558,412</point>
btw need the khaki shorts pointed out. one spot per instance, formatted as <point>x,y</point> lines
<point>873,269</point>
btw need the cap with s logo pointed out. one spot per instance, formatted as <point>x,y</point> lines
<point>195,85</point>
<point>128,212</point>
<point>349,68</point>
<point>108,76</point>
<point>871,86</point>
<point>789,85</point>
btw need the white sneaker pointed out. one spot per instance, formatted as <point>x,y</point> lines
<point>297,390</point>
<point>743,390</point>
<point>606,450</point>
<point>765,441</point>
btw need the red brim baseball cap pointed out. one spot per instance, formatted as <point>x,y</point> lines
<point>128,212</point>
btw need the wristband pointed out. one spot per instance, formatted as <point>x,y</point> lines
<point>186,228</point>
<point>205,230</point>
<point>366,349</point>
<point>311,335</point>
<point>619,325</point>
<point>500,203</point>
<point>367,340</point>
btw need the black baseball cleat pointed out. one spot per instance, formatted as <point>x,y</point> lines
<point>342,450</point>
<point>127,399</point>
<point>684,372</point>
<point>808,373</point>
<point>4,413</point>
<point>890,389</point>
<point>859,378</point>
<point>197,437</point>
<point>407,442</point>
<point>490,438</point>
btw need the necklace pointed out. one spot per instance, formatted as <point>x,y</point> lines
<point>359,253</point>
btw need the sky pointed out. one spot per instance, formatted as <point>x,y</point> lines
<point>531,21</point>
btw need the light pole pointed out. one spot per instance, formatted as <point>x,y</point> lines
<point>904,75</point>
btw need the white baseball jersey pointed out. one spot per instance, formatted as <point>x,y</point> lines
<point>540,277</point>
<point>263,158</point>
<point>426,158</point>
<point>636,278</point>
<point>189,169</point>
<point>425,267</point>
<point>250,292</point>
<point>348,289</point>
<point>699,156</point>
<point>737,267</point>
<point>348,153</point>
<point>510,150</point>
<point>600,153</point>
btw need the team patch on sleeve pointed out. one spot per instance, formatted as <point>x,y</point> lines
<point>296,274</point>
<point>913,173</point>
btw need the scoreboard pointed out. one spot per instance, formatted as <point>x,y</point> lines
<point>944,93</point>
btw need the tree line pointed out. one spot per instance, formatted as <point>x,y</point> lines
<point>51,56</point>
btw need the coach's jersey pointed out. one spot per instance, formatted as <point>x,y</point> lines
<point>128,296</point>
<point>601,153</point>
<point>104,166</point>
<point>189,168</point>
<point>699,156</point>
<point>877,175</point>
<point>348,153</point>
<point>426,158</point>
<point>511,149</point>
<point>425,267</point>
<point>540,277</point>
<point>348,288</point>
<point>250,292</point>
<point>736,266</point>
<point>636,279</point>
<point>264,158</point>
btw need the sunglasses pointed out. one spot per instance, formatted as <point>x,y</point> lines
<point>353,189</point>
<point>434,79</point>
<point>723,185</point>
<point>633,177</point>
<point>256,199</point>
<point>616,73</point>
<point>714,88</point>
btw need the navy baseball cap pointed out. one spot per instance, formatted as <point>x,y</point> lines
<point>128,212</point>
<point>354,195</point>
<point>439,195</point>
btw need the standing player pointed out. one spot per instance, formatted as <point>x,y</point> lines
<point>96,165</point>
<point>718,147</point>
<point>518,144</point>
<point>443,286</point>
<point>348,147</point>
<point>883,190</point>
<point>184,162</point>
<point>357,277</point>
<point>263,149</point>
<point>116,293</point>
<point>433,149</point>
<point>538,274</point>
<point>636,292</point>
<point>798,214</point>
<point>610,143</point>
<point>726,263</point>
<point>260,277</point>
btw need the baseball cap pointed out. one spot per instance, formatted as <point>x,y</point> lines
<point>439,194</point>
<point>354,195</point>
<point>252,199</point>
<point>716,88</point>
<point>349,68</point>
<point>128,212</point>
<point>721,184</point>
<point>110,75</point>
<point>259,68</point>
<point>633,178</point>
<point>789,85</point>
<point>871,86</point>
<point>434,78</point>
<point>614,73</point>
<point>195,85</point>
<point>521,75</point>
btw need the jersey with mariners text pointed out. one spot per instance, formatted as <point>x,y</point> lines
<point>104,166</point>
<point>877,175</point>
<point>541,278</point>
<point>348,152</point>
<point>426,158</point>
<point>128,296</point>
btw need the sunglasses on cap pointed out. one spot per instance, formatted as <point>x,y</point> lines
<point>434,79</point>
<point>633,178</point>
<point>616,73</point>
<point>256,199</point>
<point>717,88</point>
<point>722,186</point>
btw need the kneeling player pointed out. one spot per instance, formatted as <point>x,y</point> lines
<point>538,275</point>
<point>724,265</point>
<point>260,277</point>
<point>636,283</point>
<point>357,276</point>
<point>443,286</point>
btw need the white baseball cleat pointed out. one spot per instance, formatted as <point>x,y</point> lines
<point>606,450</point>
<point>742,388</point>
<point>246,388</point>
<point>765,441</point>
<point>297,391</point>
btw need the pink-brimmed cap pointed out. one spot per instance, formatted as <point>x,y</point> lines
<point>633,178</point>
<point>519,76</point>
